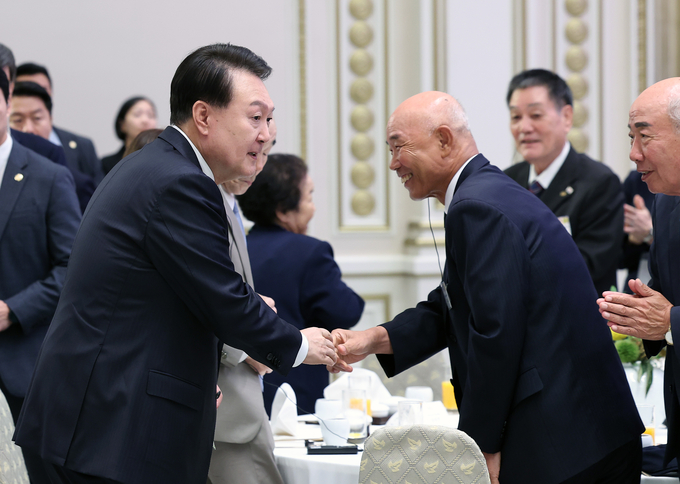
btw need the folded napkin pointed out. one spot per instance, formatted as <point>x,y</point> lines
<point>376,390</point>
<point>284,417</point>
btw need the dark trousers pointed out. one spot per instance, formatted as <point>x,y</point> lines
<point>622,466</point>
<point>34,464</point>
<point>61,475</point>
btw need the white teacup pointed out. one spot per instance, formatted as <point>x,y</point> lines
<point>424,394</point>
<point>335,431</point>
<point>325,408</point>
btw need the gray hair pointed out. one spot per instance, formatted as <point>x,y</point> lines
<point>674,107</point>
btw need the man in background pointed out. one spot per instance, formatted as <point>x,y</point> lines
<point>38,222</point>
<point>243,452</point>
<point>515,310</point>
<point>652,312</point>
<point>80,152</point>
<point>84,184</point>
<point>585,195</point>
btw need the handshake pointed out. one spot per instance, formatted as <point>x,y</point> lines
<point>341,348</point>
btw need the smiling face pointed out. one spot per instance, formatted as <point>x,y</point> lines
<point>416,158</point>
<point>30,115</point>
<point>235,135</point>
<point>655,143</point>
<point>241,185</point>
<point>540,129</point>
<point>140,117</point>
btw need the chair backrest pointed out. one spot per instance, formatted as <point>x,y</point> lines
<point>422,454</point>
<point>12,468</point>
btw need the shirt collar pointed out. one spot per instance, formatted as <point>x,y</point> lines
<point>201,161</point>
<point>228,198</point>
<point>547,175</point>
<point>54,138</point>
<point>5,150</point>
<point>452,186</point>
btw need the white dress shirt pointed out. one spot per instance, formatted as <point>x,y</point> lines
<point>5,150</point>
<point>547,175</point>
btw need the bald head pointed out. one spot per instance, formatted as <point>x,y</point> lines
<point>430,139</point>
<point>654,130</point>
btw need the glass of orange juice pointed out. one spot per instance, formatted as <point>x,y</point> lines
<point>647,415</point>
<point>355,409</point>
<point>362,382</point>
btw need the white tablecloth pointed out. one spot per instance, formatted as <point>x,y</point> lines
<point>297,467</point>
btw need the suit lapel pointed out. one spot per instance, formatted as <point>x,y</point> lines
<point>561,189</point>
<point>238,246</point>
<point>13,182</point>
<point>180,143</point>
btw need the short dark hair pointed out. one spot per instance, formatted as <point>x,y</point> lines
<point>4,84</point>
<point>30,69</point>
<point>7,59</point>
<point>205,75</point>
<point>558,90</point>
<point>122,112</point>
<point>276,189</point>
<point>31,89</point>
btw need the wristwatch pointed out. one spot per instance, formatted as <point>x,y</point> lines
<point>649,237</point>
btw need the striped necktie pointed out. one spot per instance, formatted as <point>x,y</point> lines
<point>535,188</point>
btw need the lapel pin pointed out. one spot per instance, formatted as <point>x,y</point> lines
<point>18,177</point>
<point>72,144</point>
<point>567,191</point>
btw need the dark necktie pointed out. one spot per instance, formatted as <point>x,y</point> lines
<point>536,188</point>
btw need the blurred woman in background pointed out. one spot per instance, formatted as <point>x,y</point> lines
<point>137,114</point>
<point>296,270</point>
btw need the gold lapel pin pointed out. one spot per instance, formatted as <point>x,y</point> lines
<point>72,144</point>
<point>566,191</point>
<point>18,177</point>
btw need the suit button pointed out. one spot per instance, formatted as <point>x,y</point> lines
<point>270,357</point>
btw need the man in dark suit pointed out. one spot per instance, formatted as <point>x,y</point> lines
<point>80,152</point>
<point>539,384</point>
<point>652,311</point>
<point>585,195</point>
<point>124,387</point>
<point>38,222</point>
<point>84,184</point>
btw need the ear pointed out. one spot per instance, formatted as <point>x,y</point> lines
<point>200,113</point>
<point>568,113</point>
<point>445,138</point>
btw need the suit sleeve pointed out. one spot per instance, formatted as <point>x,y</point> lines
<point>600,227</point>
<point>652,348</point>
<point>186,240</point>
<point>38,301</point>
<point>325,300</point>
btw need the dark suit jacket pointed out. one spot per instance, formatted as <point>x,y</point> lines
<point>632,253</point>
<point>535,372</point>
<point>84,184</point>
<point>664,267</point>
<point>594,207</point>
<point>39,217</point>
<point>124,387</point>
<point>302,277</point>
<point>80,154</point>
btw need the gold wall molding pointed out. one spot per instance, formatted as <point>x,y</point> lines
<point>576,59</point>
<point>361,46</point>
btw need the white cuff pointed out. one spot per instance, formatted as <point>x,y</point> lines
<point>302,353</point>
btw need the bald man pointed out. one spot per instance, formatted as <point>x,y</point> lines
<point>652,312</point>
<point>538,382</point>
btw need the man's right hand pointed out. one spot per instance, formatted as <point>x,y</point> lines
<point>321,348</point>
<point>353,346</point>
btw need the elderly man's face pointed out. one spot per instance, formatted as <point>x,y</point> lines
<point>538,126</point>
<point>241,185</point>
<point>655,144</point>
<point>238,132</point>
<point>414,158</point>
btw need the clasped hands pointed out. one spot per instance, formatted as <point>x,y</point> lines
<point>645,314</point>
